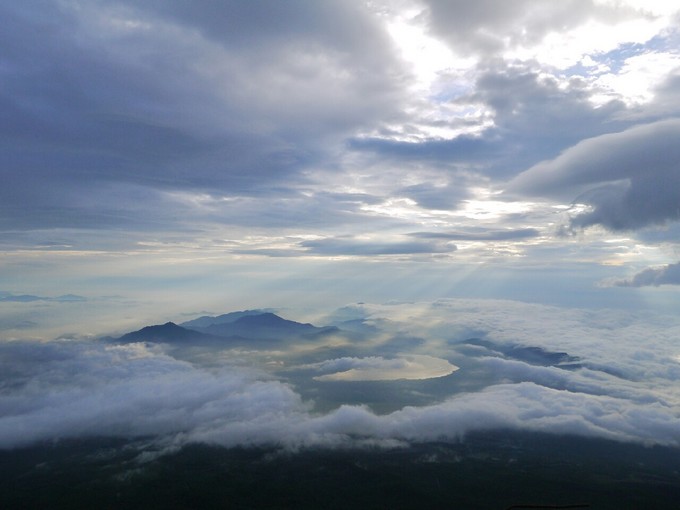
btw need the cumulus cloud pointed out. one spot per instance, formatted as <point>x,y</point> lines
<point>652,276</point>
<point>628,180</point>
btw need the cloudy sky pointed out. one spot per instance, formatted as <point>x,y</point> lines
<point>175,157</point>
<point>483,196</point>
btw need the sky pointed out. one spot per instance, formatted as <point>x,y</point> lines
<point>312,154</point>
<point>483,196</point>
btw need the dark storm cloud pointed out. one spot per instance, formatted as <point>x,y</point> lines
<point>652,276</point>
<point>176,95</point>
<point>667,95</point>
<point>630,179</point>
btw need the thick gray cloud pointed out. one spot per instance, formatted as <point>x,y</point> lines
<point>488,26</point>
<point>630,179</point>
<point>464,148</point>
<point>357,246</point>
<point>535,115</point>
<point>176,95</point>
<point>652,276</point>
<point>150,148</point>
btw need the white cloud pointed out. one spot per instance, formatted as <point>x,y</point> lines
<point>637,79</point>
<point>519,406</point>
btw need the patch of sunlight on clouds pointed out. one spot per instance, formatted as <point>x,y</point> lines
<point>635,82</point>
<point>427,56</point>
<point>408,209</point>
<point>492,209</point>
<point>563,50</point>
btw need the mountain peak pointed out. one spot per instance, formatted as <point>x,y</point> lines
<point>168,332</point>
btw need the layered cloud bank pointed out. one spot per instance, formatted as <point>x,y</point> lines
<point>563,371</point>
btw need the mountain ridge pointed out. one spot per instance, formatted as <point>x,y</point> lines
<point>208,320</point>
<point>167,333</point>
<point>245,327</point>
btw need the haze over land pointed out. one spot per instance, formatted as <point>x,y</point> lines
<point>448,216</point>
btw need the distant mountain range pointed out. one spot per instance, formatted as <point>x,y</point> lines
<point>251,327</point>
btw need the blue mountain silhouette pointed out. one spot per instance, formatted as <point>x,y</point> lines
<point>247,327</point>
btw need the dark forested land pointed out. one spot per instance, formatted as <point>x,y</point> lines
<point>490,470</point>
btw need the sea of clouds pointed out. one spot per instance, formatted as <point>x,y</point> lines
<point>624,386</point>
